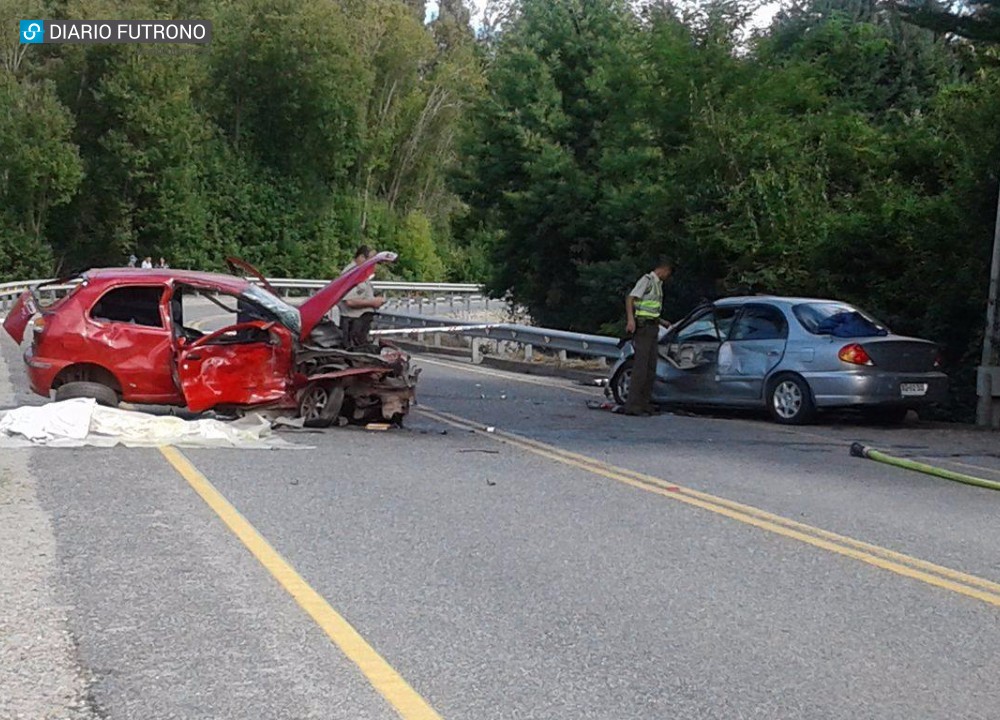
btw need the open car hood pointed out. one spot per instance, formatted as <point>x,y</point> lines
<point>313,309</point>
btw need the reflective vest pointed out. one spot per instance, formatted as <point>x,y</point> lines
<point>650,305</point>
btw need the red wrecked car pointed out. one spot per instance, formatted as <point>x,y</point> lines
<point>122,334</point>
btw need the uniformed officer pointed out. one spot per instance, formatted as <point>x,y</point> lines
<point>357,309</point>
<point>643,306</point>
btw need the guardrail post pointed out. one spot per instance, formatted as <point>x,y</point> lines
<point>477,351</point>
<point>436,340</point>
<point>988,389</point>
<point>562,357</point>
<point>529,351</point>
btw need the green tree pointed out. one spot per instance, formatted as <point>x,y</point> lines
<point>287,86</point>
<point>539,160</point>
<point>976,20</point>
<point>418,257</point>
<point>142,141</point>
<point>40,170</point>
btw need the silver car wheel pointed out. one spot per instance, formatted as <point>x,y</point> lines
<point>787,399</point>
<point>624,383</point>
<point>314,402</point>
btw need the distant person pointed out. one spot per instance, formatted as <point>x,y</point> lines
<point>357,309</point>
<point>643,306</point>
<point>147,264</point>
<point>163,264</point>
<point>132,260</point>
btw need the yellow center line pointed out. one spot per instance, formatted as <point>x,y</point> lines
<point>389,683</point>
<point>884,558</point>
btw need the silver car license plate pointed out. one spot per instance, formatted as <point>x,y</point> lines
<point>912,389</point>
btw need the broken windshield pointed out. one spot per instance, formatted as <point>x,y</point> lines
<point>286,314</point>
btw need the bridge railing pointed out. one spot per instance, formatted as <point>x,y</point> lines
<point>10,292</point>
<point>527,336</point>
<point>406,294</point>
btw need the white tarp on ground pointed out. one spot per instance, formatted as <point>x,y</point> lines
<point>81,422</point>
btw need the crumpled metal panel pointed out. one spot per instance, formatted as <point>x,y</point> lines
<point>236,373</point>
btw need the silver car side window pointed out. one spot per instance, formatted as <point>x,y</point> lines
<point>759,322</point>
<point>724,317</point>
<point>701,328</point>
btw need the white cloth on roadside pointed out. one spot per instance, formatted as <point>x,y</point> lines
<point>82,422</point>
<point>42,423</point>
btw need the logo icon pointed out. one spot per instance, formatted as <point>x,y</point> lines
<point>32,31</point>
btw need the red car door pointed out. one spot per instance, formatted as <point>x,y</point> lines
<point>245,364</point>
<point>125,331</point>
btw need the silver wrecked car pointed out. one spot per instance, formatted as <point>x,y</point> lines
<point>792,356</point>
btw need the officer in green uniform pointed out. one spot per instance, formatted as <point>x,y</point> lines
<point>643,306</point>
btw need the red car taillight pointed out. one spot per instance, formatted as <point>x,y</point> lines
<point>855,354</point>
<point>38,326</point>
<point>938,360</point>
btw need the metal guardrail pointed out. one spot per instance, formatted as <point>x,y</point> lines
<point>10,292</point>
<point>531,337</point>
<point>400,293</point>
<point>383,286</point>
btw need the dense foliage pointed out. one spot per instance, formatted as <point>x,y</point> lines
<point>842,152</point>
<point>303,129</point>
<point>849,150</point>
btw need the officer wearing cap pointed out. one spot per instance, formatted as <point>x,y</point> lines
<point>357,309</point>
<point>643,306</point>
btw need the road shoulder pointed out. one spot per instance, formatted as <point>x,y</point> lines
<point>40,673</point>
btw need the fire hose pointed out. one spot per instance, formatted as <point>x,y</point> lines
<point>863,451</point>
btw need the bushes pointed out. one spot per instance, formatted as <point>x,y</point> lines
<point>833,157</point>
<point>302,130</point>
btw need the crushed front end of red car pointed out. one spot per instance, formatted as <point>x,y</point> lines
<point>358,387</point>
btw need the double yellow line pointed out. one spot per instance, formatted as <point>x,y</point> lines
<point>880,557</point>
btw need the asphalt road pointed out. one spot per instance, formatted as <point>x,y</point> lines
<point>502,577</point>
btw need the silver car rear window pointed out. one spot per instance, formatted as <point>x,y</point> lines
<point>838,320</point>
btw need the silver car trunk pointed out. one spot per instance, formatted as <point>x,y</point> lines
<point>905,355</point>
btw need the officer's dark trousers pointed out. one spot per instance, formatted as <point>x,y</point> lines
<point>644,366</point>
<point>356,329</point>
